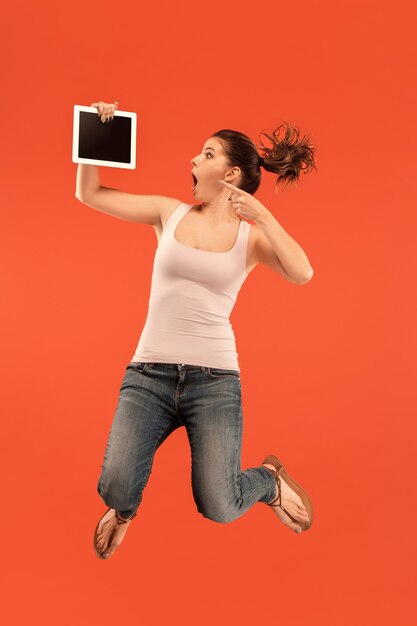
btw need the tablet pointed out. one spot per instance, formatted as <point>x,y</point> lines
<point>112,143</point>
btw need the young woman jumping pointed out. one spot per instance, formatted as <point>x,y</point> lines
<point>185,369</point>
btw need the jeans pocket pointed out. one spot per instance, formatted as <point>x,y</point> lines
<point>137,366</point>
<point>217,372</point>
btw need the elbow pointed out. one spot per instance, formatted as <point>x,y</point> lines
<point>79,197</point>
<point>85,197</point>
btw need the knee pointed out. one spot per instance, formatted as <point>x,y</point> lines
<point>221,515</point>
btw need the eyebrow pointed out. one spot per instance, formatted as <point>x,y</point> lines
<point>209,148</point>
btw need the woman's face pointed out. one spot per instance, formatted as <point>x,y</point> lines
<point>208,167</point>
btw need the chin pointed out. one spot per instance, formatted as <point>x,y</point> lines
<point>197,195</point>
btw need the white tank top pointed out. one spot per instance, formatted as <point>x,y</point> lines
<point>193,293</point>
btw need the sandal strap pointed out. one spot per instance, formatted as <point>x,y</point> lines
<point>276,472</point>
<point>120,520</point>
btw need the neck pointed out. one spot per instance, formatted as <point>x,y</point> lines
<point>218,211</point>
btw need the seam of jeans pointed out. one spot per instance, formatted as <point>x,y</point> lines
<point>148,469</point>
<point>222,375</point>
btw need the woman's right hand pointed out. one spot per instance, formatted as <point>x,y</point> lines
<point>105,110</point>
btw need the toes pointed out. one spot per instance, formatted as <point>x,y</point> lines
<point>103,547</point>
<point>110,551</point>
<point>100,543</point>
<point>303,517</point>
<point>293,525</point>
<point>297,514</point>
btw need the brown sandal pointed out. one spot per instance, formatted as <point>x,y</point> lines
<point>280,471</point>
<point>120,521</point>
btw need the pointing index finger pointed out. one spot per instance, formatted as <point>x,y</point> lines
<point>228,184</point>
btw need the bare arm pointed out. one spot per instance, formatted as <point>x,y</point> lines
<point>88,180</point>
<point>144,209</point>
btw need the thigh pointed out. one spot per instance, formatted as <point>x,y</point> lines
<point>142,421</point>
<point>214,424</point>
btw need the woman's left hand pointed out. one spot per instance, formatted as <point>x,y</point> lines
<point>245,203</point>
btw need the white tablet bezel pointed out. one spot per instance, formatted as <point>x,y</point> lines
<point>76,127</point>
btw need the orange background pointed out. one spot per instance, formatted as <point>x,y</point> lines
<point>328,369</point>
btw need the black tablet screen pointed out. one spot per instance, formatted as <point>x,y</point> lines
<point>108,142</point>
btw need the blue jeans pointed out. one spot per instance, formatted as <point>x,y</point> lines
<point>154,400</point>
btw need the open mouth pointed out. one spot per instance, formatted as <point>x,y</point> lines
<point>194,180</point>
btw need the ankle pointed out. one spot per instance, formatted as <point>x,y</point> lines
<point>123,519</point>
<point>273,471</point>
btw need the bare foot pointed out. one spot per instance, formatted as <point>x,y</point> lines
<point>292,502</point>
<point>109,537</point>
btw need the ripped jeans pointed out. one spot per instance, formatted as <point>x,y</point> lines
<point>154,400</point>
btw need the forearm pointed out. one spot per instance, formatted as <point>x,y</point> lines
<point>88,180</point>
<point>289,252</point>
